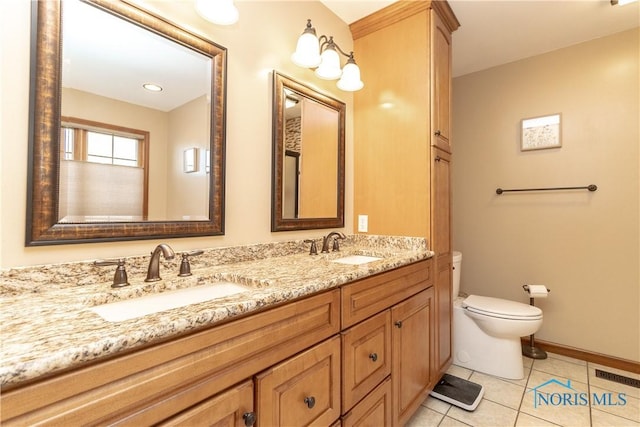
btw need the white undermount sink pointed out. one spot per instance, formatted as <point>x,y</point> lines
<point>149,304</point>
<point>356,259</point>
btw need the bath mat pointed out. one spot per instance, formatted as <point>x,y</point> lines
<point>459,392</point>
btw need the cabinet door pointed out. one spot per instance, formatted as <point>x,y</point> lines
<point>232,408</point>
<point>412,345</point>
<point>444,313</point>
<point>441,82</point>
<point>373,411</point>
<point>441,244</point>
<point>303,390</point>
<point>366,357</point>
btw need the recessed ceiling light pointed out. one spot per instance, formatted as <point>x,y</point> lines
<point>152,87</point>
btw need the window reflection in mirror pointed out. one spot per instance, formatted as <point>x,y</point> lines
<point>308,140</point>
<point>103,173</point>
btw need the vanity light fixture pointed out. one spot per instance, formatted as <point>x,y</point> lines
<point>321,53</point>
<point>290,101</point>
<point>621,2</point>
<point>152,87</point>
<point>221,12</point>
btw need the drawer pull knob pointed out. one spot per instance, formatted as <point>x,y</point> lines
<point>310,401</point>
<point>398,324</point>
<point>373,356</point>
<point>249,418</point>
<point>438,133</point>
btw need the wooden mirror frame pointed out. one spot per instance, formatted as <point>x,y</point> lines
<point>278,223</point>
<point>44,133</point>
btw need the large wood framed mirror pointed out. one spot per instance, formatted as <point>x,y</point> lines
<point>308,157</point>
<point>106,156</point>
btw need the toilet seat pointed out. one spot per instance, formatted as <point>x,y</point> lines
<point>501,308</point>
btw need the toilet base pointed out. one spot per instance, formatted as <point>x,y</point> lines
<point>473,349</point>
<point>501,357</point>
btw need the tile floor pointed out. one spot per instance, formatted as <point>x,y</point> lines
<point>592,402</point>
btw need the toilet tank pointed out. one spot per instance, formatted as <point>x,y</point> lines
<point>457,266</point>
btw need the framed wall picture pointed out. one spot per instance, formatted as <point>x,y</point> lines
<point>541,132</point>
<point>190,160</point>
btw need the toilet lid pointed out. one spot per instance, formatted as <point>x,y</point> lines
<point>498,307</point>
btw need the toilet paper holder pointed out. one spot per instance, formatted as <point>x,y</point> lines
<point>530,350</point>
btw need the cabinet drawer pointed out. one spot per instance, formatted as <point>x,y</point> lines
<point>302,391</point>
<point>366,357</point>
<point>373,410</point>
<point>232,408</point>
<point>369,296</point>
<point>153,384</point>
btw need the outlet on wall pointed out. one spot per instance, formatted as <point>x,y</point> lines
<point>363,223</point>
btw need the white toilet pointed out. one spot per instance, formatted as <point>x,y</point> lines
<point>487,331</point>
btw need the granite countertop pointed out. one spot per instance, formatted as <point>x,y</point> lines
<point>47,325</point>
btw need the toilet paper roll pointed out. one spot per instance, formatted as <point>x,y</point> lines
<point>538,291</point>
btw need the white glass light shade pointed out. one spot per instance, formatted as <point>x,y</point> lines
<point>350,80</point>
<point>329,68</point>
<point>221,12</point>
<point>307,52</point>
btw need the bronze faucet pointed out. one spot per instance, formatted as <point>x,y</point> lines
<point>327,239</point>
<point>153,273</point>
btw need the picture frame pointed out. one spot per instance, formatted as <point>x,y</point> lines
<point>190,160</point>
<point>541,132</point>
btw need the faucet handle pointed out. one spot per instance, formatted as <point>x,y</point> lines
<point>314,248</point>
<point>185,266</point>
<point>120,276</point>
<point>336,237</point>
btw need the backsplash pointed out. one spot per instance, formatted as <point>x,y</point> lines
<point>36,279</point>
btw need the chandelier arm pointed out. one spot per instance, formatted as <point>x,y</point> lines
<point>348,55</point>
<point>323,40</point>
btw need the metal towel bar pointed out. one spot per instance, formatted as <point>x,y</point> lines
<point>591,187</point>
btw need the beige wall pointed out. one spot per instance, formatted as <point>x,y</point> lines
<point>583,246</point>
<point>187,193</point>
<point>261,41</point>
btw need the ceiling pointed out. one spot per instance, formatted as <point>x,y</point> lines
<point>108,56</point>
<point>497,32</point>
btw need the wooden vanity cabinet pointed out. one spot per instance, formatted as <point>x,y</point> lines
<point>152,385</point>
<point>390,314</point>
<point>231,408</point>
<point>301,391</point>
<point>358,355</point>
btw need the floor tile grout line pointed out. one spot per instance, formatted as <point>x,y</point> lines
<point>524,391</point>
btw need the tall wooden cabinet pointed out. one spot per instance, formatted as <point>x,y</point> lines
<point>402,144</point>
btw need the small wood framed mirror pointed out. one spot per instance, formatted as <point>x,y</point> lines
<point>308,157</point>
